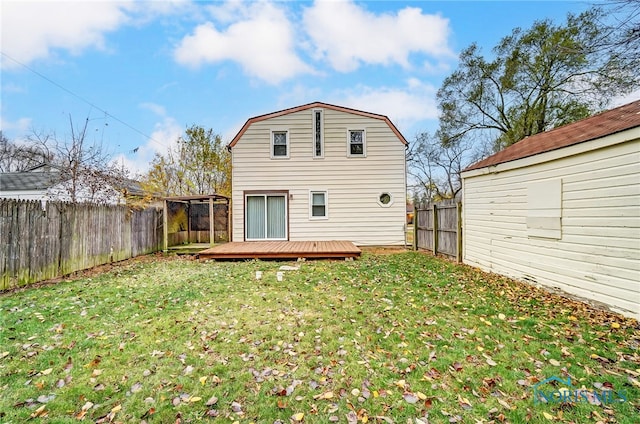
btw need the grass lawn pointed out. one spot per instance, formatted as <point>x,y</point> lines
<point>402,338</point>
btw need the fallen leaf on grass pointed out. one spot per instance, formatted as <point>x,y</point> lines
<point>40,412</point>
<point>325,395</point>
<point>297,418</point>
<point>464,402</point>
<point>212,401</point>
<point>136,387</point>
<point>554,362</point>
<point>410,397</point>
<point>80,415</point>
<point>352,418</point>
<point>94,362</point>
<point>503,403</point>
<point>548,416</point>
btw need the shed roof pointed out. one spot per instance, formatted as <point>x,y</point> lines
<point>606,123</point>
<point>311,106</point>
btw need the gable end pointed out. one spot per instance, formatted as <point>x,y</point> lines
<point>312,106</point>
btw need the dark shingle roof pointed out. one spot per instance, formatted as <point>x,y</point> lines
<point>12,181</point>
<point>600,125</point>
<point>28,180</point>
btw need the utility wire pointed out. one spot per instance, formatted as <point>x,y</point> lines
<point>77,96</point>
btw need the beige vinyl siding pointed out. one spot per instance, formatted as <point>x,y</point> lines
<point>353,184</point>
<point>598,254</point>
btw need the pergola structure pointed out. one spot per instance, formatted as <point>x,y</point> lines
<point>211,199</point>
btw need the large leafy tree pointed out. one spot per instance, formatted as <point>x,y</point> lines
<point>537,79</point>
<point>198,163</point>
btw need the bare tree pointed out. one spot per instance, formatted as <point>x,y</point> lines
<point>84,169</point>
<point>435,164</point>
<point>17,157</point>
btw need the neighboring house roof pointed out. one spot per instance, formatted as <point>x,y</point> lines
<point>12,181</point>
<point>600,125</point>
<point>33,181</point>
<point>316,105</point>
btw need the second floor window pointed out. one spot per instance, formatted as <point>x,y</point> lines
<point>317,134</point>
<point>357,143</point>
<point>279,144</point>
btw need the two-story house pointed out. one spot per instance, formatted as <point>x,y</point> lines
<point>319,172</point>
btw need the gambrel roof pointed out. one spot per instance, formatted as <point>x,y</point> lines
<point>606,123</point>
<point>317,105</point>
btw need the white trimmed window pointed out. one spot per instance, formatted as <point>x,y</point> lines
<point>279,144</point>
<point>318,134</point>
<point>356,143</point>
<point>318,205</point>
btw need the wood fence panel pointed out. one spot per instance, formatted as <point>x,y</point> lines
<point>442,234</point>
<point>40,242</point>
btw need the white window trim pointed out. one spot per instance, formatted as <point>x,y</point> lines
<point>364,143</point>
<point>326,205</point>
<point>313,134</point>
<point>390,201</point>
<point>286,215</point>
<point>271,142</point>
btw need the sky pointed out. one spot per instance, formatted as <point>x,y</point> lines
<point>141,72</point>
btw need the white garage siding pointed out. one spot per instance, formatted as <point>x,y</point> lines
<point>598,253</point>
<point>353,184</point>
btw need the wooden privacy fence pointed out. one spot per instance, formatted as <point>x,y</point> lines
<point>41,241</point>
<point>438,227</point>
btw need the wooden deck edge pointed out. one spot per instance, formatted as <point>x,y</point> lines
<point>285,255</point>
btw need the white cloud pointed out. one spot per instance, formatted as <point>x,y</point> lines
<point>261,41</point>
<point>34,29</point>
<point>627,98</point>
<point>347,35</point>
<point>165,135</point>
<point>155,108</point>
<point>21,126</point>
<point>405,106</point>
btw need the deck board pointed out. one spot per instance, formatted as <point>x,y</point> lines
<point>282,250</point>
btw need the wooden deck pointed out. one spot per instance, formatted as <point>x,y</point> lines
<point>282,250</point>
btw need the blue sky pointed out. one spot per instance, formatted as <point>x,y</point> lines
<point>158,67</point>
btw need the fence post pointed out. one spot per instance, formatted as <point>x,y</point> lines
<point>212,225</point>
<point>415,228</point>
<point>435,230</point>
<point>459,232</point>
<point>165,226</point>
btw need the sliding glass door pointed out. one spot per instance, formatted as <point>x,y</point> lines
<point>266,217</point>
